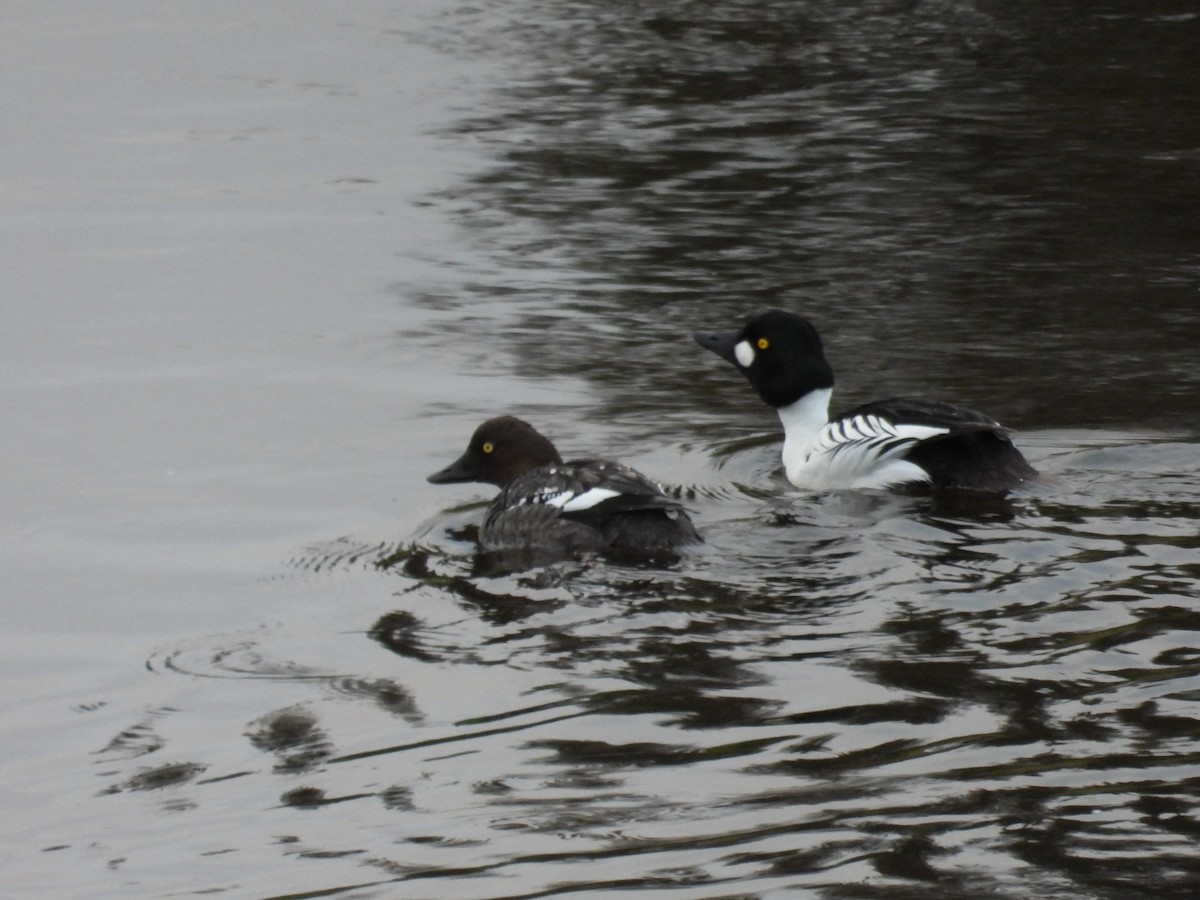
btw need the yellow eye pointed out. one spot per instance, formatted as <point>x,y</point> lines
<point>488,447</point>
<point>762,343</point>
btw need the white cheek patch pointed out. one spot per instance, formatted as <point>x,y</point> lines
<point>744,354</point>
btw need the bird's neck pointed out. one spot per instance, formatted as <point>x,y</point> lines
<point>802,420</point>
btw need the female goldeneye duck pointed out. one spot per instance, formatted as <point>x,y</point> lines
<point>899,443</point>
<point>580,506</point>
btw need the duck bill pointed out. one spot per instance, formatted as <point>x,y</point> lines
<point>458,471</point>
<point>720,344</point>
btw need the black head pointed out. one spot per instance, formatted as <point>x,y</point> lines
<point>778,352</point>
<point>500,449</point>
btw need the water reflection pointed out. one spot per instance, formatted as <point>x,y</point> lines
<point>865,689</point>
<point>989,203</point>
<point>842,695</point>
<point>728,687</point>
<point>956,689</point>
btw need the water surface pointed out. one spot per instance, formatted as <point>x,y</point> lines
<point>269,265</point>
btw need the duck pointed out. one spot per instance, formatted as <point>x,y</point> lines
<point>572,508</point>
<point>902,444</point>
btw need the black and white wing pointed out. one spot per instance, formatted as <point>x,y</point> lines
<point>588,487</point>
<point>954,447</point>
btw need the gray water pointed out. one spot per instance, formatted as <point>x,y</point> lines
<point>266,265</point>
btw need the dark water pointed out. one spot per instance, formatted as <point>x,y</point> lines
<point>997,193</point>
<point>840,695</point>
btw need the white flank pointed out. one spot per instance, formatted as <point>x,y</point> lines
<point>859,452</point>
<point>744,354</point>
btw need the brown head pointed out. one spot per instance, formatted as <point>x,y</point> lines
<point>500,449</point>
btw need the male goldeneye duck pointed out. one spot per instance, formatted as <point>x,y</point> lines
<point>580,506</point>
<point>899,443</point>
